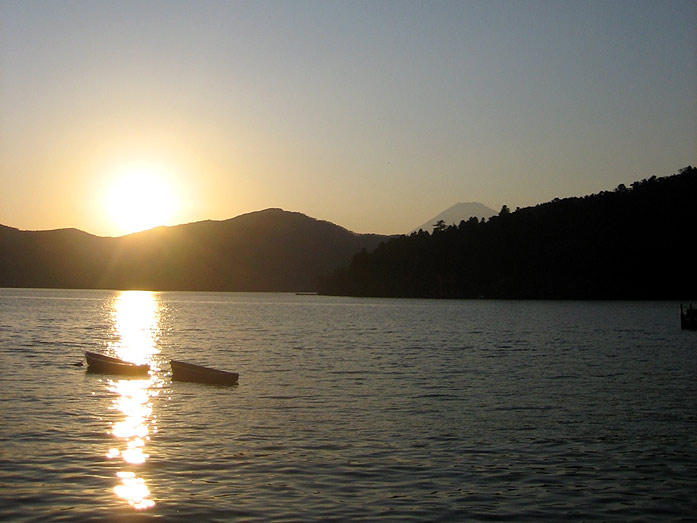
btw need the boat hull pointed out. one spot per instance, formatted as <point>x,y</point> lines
<point>182,371</point>
<point>108,365</point>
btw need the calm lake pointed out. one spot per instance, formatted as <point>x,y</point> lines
<point>346,409</point>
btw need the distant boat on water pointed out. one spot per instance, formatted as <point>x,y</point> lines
<point>108,365</point>
<point>688,318</point>
<point>182,371</point>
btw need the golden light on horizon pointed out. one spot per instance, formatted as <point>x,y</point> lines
<point>140,197</point>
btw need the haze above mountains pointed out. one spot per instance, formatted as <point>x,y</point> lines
<point>451,216</point>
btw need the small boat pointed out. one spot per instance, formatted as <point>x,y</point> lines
<point>182,371</point>
<point>688,318</point>
<point>108,365</point>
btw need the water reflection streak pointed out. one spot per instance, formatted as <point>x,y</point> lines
<point>135,316</point>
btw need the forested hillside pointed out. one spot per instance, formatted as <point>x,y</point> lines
<point>634,242</point>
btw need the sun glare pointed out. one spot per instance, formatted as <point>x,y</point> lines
<point>140,198</point>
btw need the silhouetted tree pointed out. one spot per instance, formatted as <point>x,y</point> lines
<point>439,226</point>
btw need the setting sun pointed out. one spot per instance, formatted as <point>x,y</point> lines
<point>140,198</point>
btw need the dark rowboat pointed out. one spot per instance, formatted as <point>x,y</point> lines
<point>182,371</point>
<point>108,365</point>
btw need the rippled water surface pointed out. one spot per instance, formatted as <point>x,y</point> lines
<point>346,409</point>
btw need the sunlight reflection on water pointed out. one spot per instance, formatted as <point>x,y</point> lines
<point>135,316</point>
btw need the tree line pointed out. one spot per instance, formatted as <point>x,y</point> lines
<point>630,243</point>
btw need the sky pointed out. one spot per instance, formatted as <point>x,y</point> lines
<point>375,115</point>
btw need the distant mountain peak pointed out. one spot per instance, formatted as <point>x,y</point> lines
<point>458,212</point>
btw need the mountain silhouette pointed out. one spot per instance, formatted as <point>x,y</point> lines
<point>457,213</point>
<point>269,250</point>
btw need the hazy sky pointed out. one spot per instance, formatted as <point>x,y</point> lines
<point>374,115</point>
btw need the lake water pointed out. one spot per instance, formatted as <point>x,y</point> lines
<point>346,409</point>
